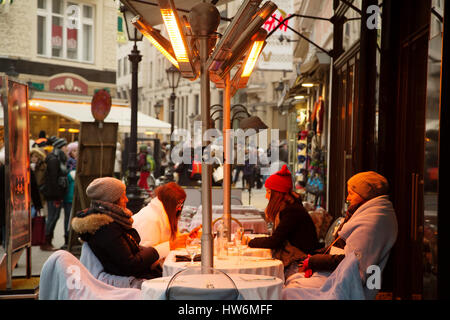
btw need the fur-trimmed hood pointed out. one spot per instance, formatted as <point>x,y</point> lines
<point>99,214</point>
<point>91,223</point>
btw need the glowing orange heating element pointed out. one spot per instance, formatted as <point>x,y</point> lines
<point>155,38</point>
<point>173,29</point>
<point>252,58</point>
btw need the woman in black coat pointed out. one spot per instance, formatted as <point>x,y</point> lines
<point>294,235</point>
<point>107,227</point>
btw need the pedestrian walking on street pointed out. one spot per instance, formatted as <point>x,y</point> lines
<point>54,188</point>
<point>144,168</point>
<point>72,153</point>
<point>118,162</point>
<point>38,166</point>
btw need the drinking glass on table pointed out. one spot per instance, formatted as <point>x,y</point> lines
<point>240,242</point>
<point>192,247</point>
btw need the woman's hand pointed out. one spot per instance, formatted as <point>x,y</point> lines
<point>245,240</point>
<point>196,233</point>
<point>179,241</point>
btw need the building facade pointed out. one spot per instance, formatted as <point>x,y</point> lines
<point>259,97</point>
<point>64,50</point>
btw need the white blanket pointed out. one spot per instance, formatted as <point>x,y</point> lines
<point>95,267</point>
<point>63,277</point>
<point>370,234</point>
<point>343,284</point>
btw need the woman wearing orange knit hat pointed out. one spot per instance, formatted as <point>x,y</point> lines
<point>294,235</point>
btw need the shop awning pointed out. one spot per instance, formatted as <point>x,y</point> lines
<point>81,112</point>
<point>149,9</point>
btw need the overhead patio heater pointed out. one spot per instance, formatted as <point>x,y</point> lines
<point>178,29</point>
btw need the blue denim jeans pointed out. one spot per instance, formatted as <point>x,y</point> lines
<point>54,210</point>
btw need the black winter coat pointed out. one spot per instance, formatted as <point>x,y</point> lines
<point>56,169</point>
<point>295,226</point>
<point>117,248</point>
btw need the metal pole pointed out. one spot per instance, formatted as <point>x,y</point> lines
<point>227,156</point>
<point>172,117</point>
<point>133,191</point>
<point>207,239</point>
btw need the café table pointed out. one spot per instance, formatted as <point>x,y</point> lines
<point>229,264</point>
<point>250,286</point>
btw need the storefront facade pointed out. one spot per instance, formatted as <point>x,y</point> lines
<point>68,57</point>
<point>385,116</point>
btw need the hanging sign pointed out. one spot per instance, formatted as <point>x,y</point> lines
<point>278,55</point>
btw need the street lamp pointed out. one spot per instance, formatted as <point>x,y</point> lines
<point>279,89</point>
<point>173,76</point>
<point>158,106</point>
<point>134,194</point>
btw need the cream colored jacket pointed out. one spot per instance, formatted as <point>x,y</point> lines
<point>152,224</point>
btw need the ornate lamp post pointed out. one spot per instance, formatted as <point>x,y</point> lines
<point>173,76</point>
<point>134,194</point>
<point>158,106</point>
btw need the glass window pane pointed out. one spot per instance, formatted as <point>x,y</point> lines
<point>72,15</point>
<point>72,43</point>
<point>431,167</point>
<point>57,6</point>
<point>41,35</point>
<point>42,4</point>
<point>87,42</point>
<point>351,28</point>
<point>87,12</point>
<point>57,36</point>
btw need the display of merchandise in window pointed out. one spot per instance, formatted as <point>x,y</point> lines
<point>310,168</point>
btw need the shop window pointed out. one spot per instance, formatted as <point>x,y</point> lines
<point>352,27</point>
<point>65,30</point>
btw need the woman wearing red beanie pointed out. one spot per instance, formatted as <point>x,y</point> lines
<point>294,235</point>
